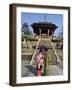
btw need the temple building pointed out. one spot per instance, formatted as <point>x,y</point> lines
<point>46,29</point>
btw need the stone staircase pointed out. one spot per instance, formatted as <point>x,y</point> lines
<point>50,52</point>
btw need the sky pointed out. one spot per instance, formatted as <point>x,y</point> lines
<point>31,18</point>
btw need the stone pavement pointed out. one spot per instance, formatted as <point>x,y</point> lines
<point>27,70</point>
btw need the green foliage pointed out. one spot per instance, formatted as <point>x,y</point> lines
<point>56,40</point>
<point>27,57</point>
<point>25,29</point>
<point>32,39</point>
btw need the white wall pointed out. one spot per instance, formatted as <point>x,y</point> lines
<point>4,45</point>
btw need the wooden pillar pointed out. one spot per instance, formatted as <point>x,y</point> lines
<point>52,33</point>
<point>40,32</point>
<point>48,33</point>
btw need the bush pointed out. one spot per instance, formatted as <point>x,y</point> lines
<point>32,39</point>
<point>56,40</point>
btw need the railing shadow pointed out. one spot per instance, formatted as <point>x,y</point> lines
<point>31,69</point>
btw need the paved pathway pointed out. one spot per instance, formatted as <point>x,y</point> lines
<point>27,70</point>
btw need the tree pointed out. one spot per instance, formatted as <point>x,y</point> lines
<point>61,32</point>
<point>25,29</point>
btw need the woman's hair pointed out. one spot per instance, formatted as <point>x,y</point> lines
<point>40,50</point>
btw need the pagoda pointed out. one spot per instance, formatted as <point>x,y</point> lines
<point>44,29</point>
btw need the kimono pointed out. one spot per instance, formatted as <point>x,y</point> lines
<point>40,64</point>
